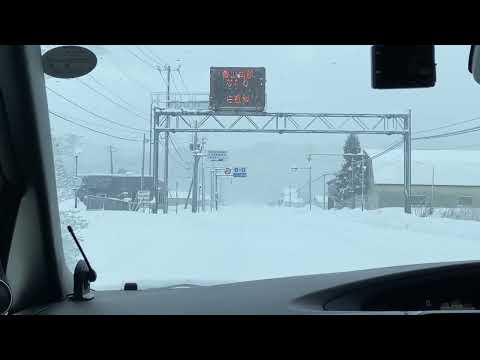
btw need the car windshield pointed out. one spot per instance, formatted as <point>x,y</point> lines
<point>217,164</point>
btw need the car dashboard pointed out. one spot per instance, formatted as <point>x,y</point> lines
<point>402,290</point>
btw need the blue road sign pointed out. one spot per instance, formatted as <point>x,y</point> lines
<point>239,172</point>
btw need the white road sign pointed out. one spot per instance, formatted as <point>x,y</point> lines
<point>217,155</point>
<point>143,195</point>
<point>77,182</point>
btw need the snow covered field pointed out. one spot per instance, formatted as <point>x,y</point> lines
<point>248,243</point>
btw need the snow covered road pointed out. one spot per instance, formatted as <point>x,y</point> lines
<point>247,243</point>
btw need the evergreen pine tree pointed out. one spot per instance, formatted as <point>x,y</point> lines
<point>349,179</point>
<point>64,180</point>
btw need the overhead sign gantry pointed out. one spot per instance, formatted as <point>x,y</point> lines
<point>237,101</point>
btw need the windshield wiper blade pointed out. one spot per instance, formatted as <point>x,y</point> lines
<point>181,286</point>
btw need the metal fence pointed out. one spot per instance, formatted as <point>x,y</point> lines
<point>104,203</point>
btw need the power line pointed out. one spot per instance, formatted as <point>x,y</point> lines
<point>176,150</point>
<point>102,125</point>
<point>110,91</point>
<point>90,129</point>
<point>429,137</point>
<point>455,147</point>
<point>94,114</point>
<point>314,180</point>
<point>446,126</point>
<point>132,79</point>
<point>141,59</point>
<point>174,84</point>
<point>151,56</point>
<point>148,56</point>
<point>155,56</point>
<point>183,82</point>
<point>111,100</point>
<point>387,149</point>
<point>448,134</point>
<point>161,75</point>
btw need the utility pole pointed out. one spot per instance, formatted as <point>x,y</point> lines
<point>433,182</point>
<point>407,159</point>
<point>143,163</point>
<point>353,185</point>
<point>196,157</point>
<point>309,169</point>
<point>176,197</point>
<point>310,186</point>
<point>167,137</point>
<point>324,185</point>
<point>111,159</point>
<point>363,180</point>
<point>309,157</point>
<point>76,177</point>
<point>155,168</point>
<point>216,191</point>
<point>189,192</point>
<point>211,190</point>
<point>150,138</point>
<point>204,140</point>
<point>290,188</point>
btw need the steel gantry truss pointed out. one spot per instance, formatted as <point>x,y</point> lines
<point>173,121</point>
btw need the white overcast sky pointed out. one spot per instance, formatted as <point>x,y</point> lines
<point>299,79</point>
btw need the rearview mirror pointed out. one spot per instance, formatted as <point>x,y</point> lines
<point>401,67</point>
<point>68,62</point>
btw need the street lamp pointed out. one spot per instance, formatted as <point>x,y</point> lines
<point>77,152</point>
<point>309,168</point>
<point>433,181</point>
<point>324,187</point>
<point>309,158</point>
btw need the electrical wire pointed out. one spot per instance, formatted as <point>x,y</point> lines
<point>95,114</point>
<point>174,84</point>
<point>104,126</point>
<point>163,79</point>
<point>185,165</point>
<point>387,150</point>
<point>144,53</point>
<point>128,77</point>
<point>133,80</point>
<point>141,59</point>
<point>110,91</point>
<point>447,126</point>
<point>90,129</point>
<point>448,134</point>
<point>155,56</point>
<point>111,100</point>
<point>429,137</point>
<point>314,180</point>
<point>183,82</point>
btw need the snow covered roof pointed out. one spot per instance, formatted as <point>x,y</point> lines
<point>451,167</point>
<point>116,175</point>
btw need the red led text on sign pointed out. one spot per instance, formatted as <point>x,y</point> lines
<point>237,88</point>
<point>238,99</point>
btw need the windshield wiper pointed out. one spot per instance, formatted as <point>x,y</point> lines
<point>181,286</point>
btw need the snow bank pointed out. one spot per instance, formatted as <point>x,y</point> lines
<point>247,243</point>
